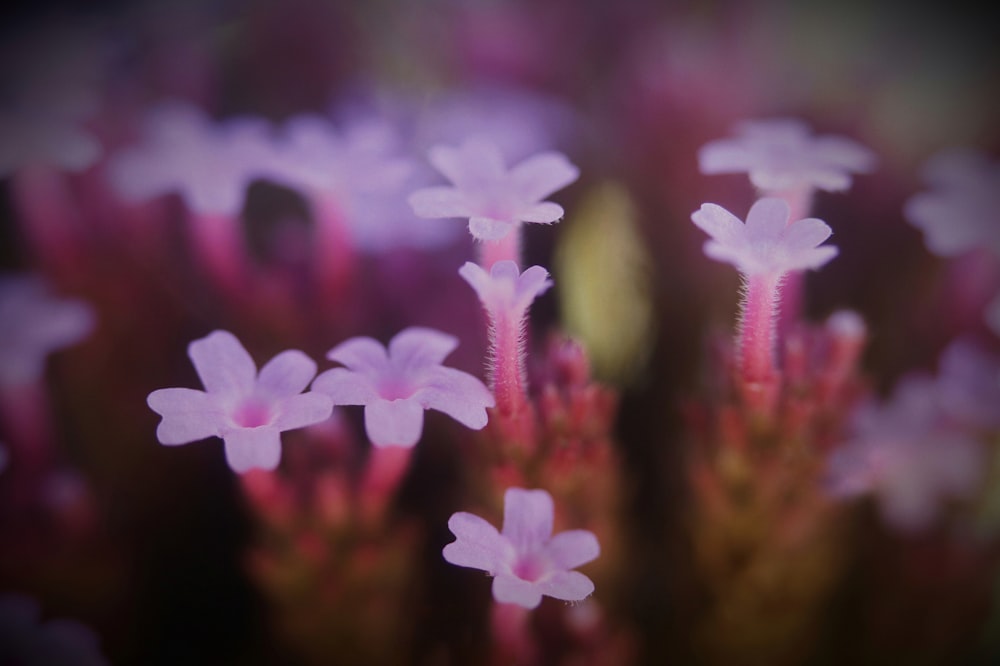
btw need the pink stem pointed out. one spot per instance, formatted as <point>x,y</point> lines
<point>508,247</point>
<point>48,215</point>
<point>512,637</point>
<point>335,255</point>
<point>507,373</point>
<point>756,339</point>
<point>800,204</point>
<point>218,239</point>
<point>383,473</point>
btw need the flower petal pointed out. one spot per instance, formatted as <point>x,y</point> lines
<point>767,219</point>
<point>478,544</point>
<point>570,549</point>
<point>418,347</point>
<point>541,213</point>
<point>305,409</point>
<point>188,415</point>
<point>723,156</point>
<point>488,229</point>
<point>223,364</point>
<point>346,387</point>
<point>360,353</point>
<point>253,448</point>
<point>435,202</point>
<point>508,589</point>
<point>394,422</point>
<point>475,162</point>
<point>459,395</point>
<point>527,518</point>
<point>568,586</point>
<point>531,284</point>
<point>540,175</point>
<point>719,223</point>
<point>805,234</point>
<point>286,374</point>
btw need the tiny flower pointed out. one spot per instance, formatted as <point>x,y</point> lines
<point>209,164</point>
<point>767,244</point>
<point>526,560</point>
<point>249,411</point>
<point>397,385</point>
<point>27,641</point>
<point>781,155</point>
<point>33,324</point>
<point>969,385</point>
<point>491,197</point>
<point>504,288</point>
<point>961,211</point>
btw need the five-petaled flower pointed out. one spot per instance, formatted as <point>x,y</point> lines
<point>767,244</point>
<point>505,290</point>
<point>492,198</point>
<point>781,155</point>
<point>397,385</point>
<point>525,558</point>
<point>249,411</point>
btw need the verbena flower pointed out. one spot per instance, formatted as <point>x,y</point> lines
<point>767,244</point>
<point>210,164</point>
<point>910,455</point>
<point>397,385</point>
<point>781,155</point>
<point>33,324</point>
<point>249,411</point>
<point>492,198</point>
<point>961,211</point>
<point>27,641</point>
<point>526,560</point>
<point>504,289</point>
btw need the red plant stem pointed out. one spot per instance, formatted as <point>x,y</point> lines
<point>800,204</point>
<point>507,372</point>
<point>335,256</point>
<point>218,239</point>
<point>756,339</point>
<point>49,216</point>
<point>508,247</point>
<point>512,637</point>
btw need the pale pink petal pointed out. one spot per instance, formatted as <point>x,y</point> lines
<point>505,270</point>
<point>432,202</point>
<point>805,234</point>
<point>253,448</point>
<point>723,156</point>
<point>223,364</point>
<point>360,353</point>
<point>568,550</point>
<point>542,213</point>
<point>487,229</point>
<point>809,259</point>
<point>531,284</point>
<point>540,175</point>
<point>475,162</point>
<point>188,415</point>
<point>459,395</point>
<point>567,585</point>
<point>478,544</point>
<point>417,347</point>
<point>845,153</point>
<point>719,223</point>
<point>394,422</point>
<point>509,589</point>
<point>767,218</point>
<point>477,278</point>
<point>299,411</point>
<point>346,387</point>
<point>287,373</point>
<point>527,518</point>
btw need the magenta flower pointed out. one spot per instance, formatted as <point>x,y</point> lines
<point>33,324</point>
<point>491,197</point>
<point>961,212</point>
<point>27,641</point>
<point>209,164</point>
<point>781,155</point>
<point>249,411</point>
<point>767,244</point>
<point>396,387</point>
<point>526,560</point>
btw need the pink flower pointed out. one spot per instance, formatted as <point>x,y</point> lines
<point>249,411</point>
<point>396,387</point>
<point>209,164</point>
<point>33,324</point>
<point>781,155</point>
<point>526,560</point>
<point>27,641</point>
<point>505,289</point>
<point>493,198</point>
<point>767,244</point>
<point>969,386</point>
<point>961,212</point>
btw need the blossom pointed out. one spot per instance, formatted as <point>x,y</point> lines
<point>525,558</point>
<point>767,244</point>
<point>910,455</point>
<point>209,164</point>
<point>249,411</point>
<point>780,155</point>
<point>26,641</point>
<point>397,385</point>
<point>505,289</point>
<point>493,198</point>
<point>969,385</point>
<point>961,211</point>
<point>33,324</point>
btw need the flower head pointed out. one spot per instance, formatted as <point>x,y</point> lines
<point>34,324</point>
<point>25,640</point>
<point>491,197</point>
<point>781,155</point>
<point>505,288</point>
<point>525,558</point>
<point>962,210</point>
<point>767,244</point>
<point>247,409</point>
<point>397,385</point>
<point>209,164</point>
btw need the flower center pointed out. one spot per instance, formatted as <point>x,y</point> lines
<point>252,413</point>
<point>394,389</point>
<point>530,567</point>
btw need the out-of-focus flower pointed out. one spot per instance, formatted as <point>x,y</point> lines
<point>961,212</point>
<point>34,324</point>
<point>969,385</point>
<point>767,244</point>
<point>26,641</point>
<point>505,291</point>
<point>781,154</point>
<point>397,385</point>
<point>209,164</point>
<point>491,197</point>
<point>249,411</point>
<point>909,455</point>
<point>526,560</point>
